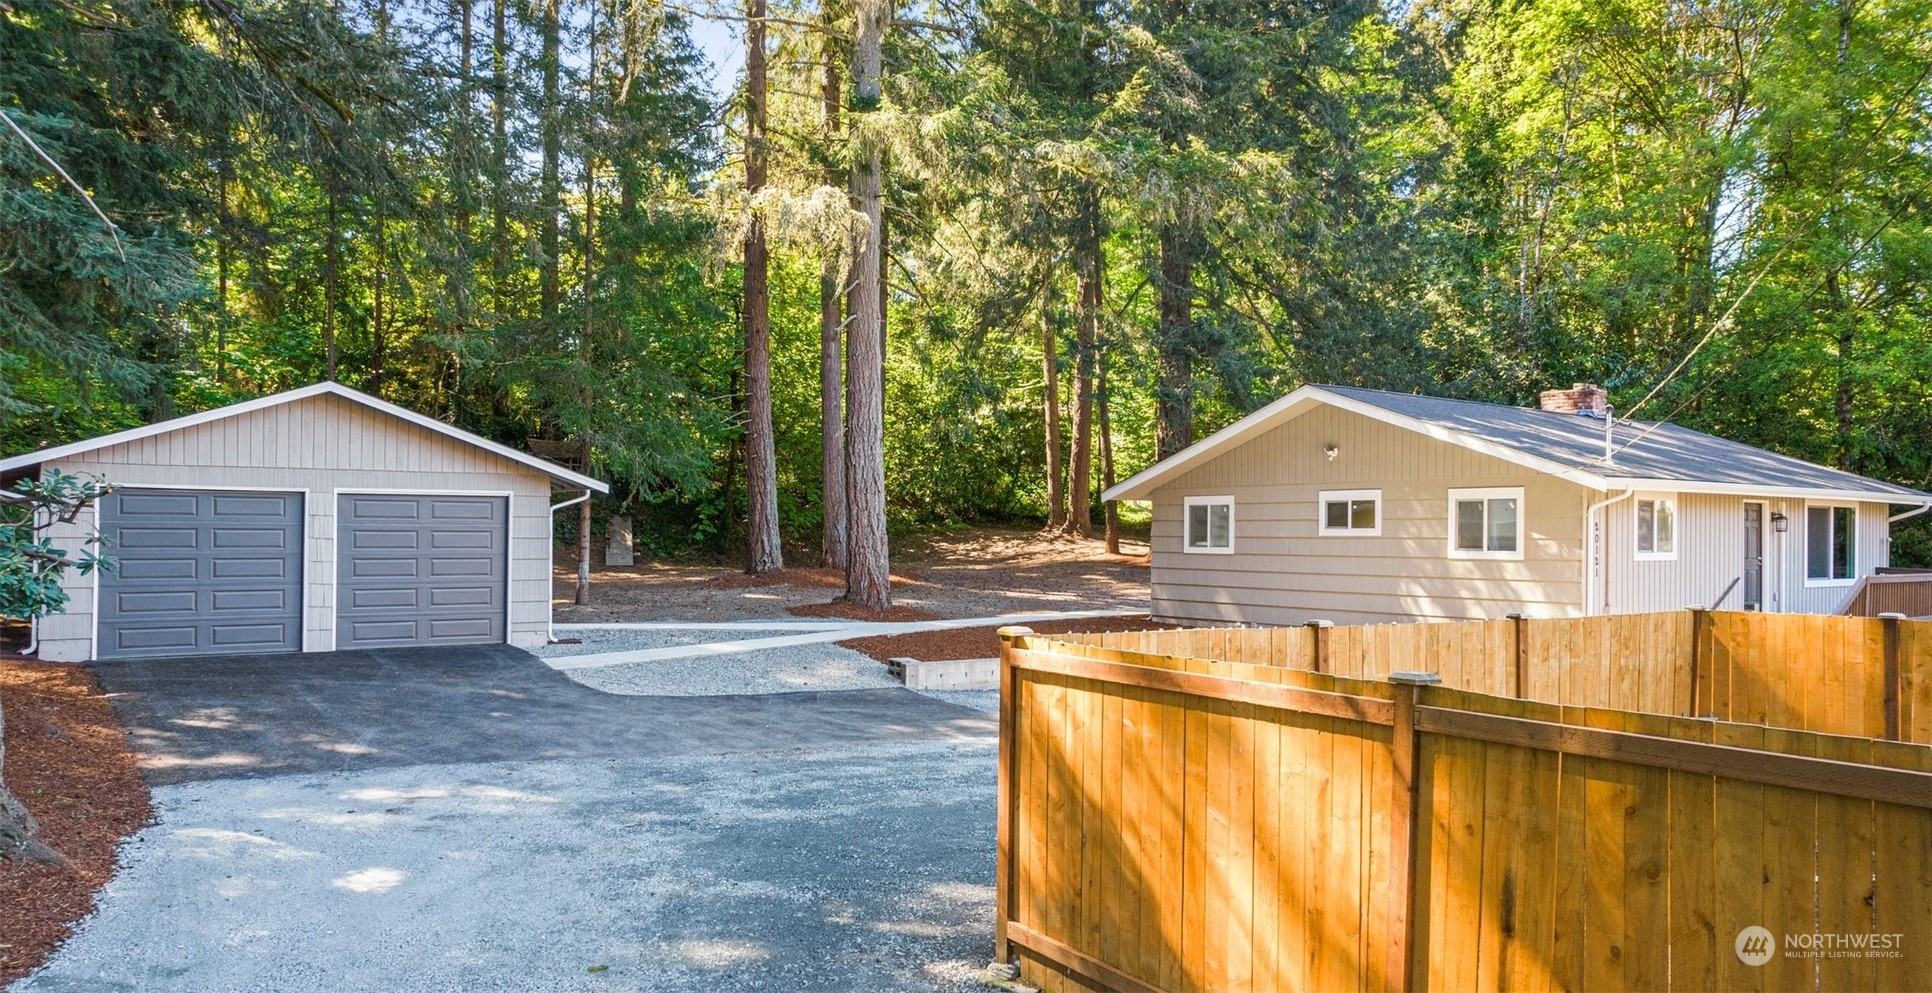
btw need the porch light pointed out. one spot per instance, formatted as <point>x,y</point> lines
<point>1779,522</point>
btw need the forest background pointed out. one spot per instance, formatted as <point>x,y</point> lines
<point>964,259</point>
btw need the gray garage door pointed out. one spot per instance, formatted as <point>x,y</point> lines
<point>201,572</point>
<point>420,570</point>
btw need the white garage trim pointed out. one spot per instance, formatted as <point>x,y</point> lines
<point>509,574</point>
<point>94,639</point>
<point>59,452</point>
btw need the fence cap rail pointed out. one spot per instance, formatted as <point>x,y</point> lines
<point>1416,678</point>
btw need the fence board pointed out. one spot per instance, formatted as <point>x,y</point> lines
<point>1190,834</point>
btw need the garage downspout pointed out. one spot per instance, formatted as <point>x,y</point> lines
<point>1592,556</point>
<point>550,633</point>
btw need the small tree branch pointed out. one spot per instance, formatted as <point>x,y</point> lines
<point>112,231</point>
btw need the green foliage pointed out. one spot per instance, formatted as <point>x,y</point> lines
<point>30,566</point>
<point>1704,206</point>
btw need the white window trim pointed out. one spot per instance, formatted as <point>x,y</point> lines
<point>1187,507</point>
<point>1487,493</point>
<point>1676,521</point>
<point>1325,497</point>
<point>1804,546</point>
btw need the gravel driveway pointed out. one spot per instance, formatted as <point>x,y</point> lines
<point>471,820</point>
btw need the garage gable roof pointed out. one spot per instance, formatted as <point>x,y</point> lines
<point>556,472</point>
<point>1647,455</point>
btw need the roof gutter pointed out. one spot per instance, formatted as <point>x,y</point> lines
<point>1895,518</point>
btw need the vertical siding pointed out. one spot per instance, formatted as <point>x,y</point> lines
<point>1710,556</point>
<point>1283,572</point>
<point>322,445</point>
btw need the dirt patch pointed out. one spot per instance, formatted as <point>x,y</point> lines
<point>978,573</point>
<point>846,610</point>
<point>981,643</point>
<point>68,761</point>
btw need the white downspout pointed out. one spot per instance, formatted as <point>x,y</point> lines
<point>550,626</point>
<point>1592,556</point>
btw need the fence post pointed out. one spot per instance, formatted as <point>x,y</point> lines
<point>1522,654</point>
<point>1890,620</point>
<point>1404,830</point>
<point>1008,785</point>
<point>1700,616</point>
<point>1319,629</point>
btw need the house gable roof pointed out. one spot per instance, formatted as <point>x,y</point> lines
<point>575,480</point>
<point>1647,454</point>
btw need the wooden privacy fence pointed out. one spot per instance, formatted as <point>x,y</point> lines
<point>1864,676</point>
<point>1178,824</point>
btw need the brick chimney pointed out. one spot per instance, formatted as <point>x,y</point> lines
<point>1580,398</point>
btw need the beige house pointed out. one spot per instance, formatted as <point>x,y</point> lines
<point>1361,506</point>
<point>313,520</point>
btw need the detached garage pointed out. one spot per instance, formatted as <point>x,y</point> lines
<point>312,520</point>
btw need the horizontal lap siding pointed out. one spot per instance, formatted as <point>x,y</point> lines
<point>323,444</point>
<point>1283,572</point>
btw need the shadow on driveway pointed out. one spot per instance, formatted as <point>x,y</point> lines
<point>221,717</point>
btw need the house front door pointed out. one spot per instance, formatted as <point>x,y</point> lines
<point>1754,556</point>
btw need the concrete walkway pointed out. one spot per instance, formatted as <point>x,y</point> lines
<point>473,820</point>
<point>843,632</point>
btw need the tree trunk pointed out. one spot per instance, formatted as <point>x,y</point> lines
<point>1087,266</point>
<point>583,544</point>
<point>18,832</point>
<point>224,174</point>
<point>764,552</point>
<point>586,345</point>
<point>1174,413</point>
<point>499,159</point>
<point>868,573</point>
<point>551,181</point>
<point>831,360</point>
<point>1050,415</point>
<point>378,338</point>
<point>330,263</point>
<point>1111,508</point>
<point>461,162</point>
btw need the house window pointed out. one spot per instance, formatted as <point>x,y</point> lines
<point>1210,524</point>
<point>1350,512</point>
<point>1657,527</point>
<point>1486,524</point>
<point>1831,534</point>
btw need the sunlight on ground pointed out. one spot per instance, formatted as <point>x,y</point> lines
<point>372,880</point>
<point>215,719</point>
<point>444,793</point>
<point>224,760</point>
<point>718,953</point>
<point>223,844</point>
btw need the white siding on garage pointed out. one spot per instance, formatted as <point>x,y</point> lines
<point>323,444</point>
<point>1283,572</point>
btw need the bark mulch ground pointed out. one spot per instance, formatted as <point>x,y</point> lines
<point>981,643</point>
<point>68,762</point>
<point>809,577</point>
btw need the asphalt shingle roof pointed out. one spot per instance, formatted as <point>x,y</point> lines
<point>1666,452</point>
